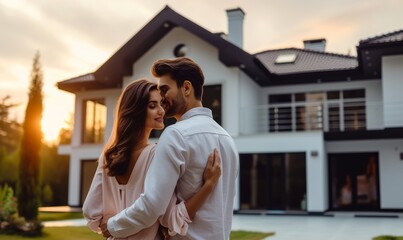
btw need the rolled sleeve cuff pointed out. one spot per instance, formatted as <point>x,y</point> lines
<point>180,221</point>
<point>94,226</point>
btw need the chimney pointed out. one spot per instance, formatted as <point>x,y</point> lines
<point>318,45</point>
<point>235,26</point>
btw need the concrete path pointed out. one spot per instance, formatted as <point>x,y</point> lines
<point>319,227</point>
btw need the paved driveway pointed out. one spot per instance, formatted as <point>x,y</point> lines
<point>319,227</point>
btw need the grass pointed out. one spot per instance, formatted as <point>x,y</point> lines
<point>53,216</point>
<point>83,233</point>
<point>388,237</point>
<point>235,235</point>
<point>60,233</point>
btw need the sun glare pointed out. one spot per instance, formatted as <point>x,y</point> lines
<point>51,127</point>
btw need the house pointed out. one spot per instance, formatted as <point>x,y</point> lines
<point>316,131</point>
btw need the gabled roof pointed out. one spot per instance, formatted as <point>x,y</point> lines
<point>308,66</point>
<point>111,73</point>
<point>371,50</point>
<point>306,61</point>
<point>391,37</point>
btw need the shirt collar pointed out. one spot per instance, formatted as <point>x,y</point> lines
<point>196,111</point>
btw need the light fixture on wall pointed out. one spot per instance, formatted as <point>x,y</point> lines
<point>314,153</point>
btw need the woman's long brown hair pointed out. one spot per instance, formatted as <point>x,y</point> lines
<point>129,126</point>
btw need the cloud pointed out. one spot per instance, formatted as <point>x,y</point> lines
<point>104,23</point>
<point>23,35</point>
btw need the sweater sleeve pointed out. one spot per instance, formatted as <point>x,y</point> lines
<point>176,218</point>
<point>92,207</point>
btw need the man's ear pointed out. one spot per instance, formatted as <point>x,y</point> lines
<point>187,88</point>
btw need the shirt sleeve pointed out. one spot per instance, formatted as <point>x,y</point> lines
<point>161,178</point>
<point>176,217</point>
<point>92,207</point>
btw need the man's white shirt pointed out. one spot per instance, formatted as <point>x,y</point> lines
<point>178,165</point>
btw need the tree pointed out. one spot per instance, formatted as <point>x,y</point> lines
<point>55,176</point>
<point>10,138</point>
<point>29,187</point>
<point>10,130</point>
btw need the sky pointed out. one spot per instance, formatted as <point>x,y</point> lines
<point>75,37</point>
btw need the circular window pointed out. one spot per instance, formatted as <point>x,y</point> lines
<point>180,50</point>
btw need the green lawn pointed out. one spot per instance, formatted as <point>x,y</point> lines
<point>52,216</point>
<point>60,233</point>
<point>235,235</point>
<point>388,237</point>
<point>83,233</point>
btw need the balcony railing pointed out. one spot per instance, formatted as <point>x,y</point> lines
<point>328,116</point>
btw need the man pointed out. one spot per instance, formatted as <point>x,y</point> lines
<point>180,160</point>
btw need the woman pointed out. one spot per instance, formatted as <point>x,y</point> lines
<point>122,167</point>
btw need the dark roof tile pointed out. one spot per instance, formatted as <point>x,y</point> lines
<point>396,36</point>
<point>306,61</point>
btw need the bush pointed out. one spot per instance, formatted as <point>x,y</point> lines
<point>47,195</point>
<point>8,203</point>
<point>10,222</point>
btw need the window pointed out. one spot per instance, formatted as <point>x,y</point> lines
<point>286,58</point>
<point>354,110</point>
<point>280,112</point>
<point>212,100</point>
<point>273,181</point>
<point>344,110</point>
<point>94,112</point>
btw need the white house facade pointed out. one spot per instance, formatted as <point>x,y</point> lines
<point>316,131</point>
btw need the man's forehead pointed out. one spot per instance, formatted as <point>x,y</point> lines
<point>162,84</point>
<point>165,81</point>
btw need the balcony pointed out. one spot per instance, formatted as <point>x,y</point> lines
<point>327,116</point>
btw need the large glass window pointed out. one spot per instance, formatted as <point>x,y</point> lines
<point>94,123</point>
<point>353,179</point>
<point>274,181</point>
<point>331,111</point>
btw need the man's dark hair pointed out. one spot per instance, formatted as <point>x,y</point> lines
<point>181,69</point>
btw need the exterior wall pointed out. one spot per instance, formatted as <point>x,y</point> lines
<point>392,78</point>
<point>373,95</point>
<point>249,93</point>
<point>206,56</point>
<point>80,154</point>
<point>390,166</point>
<point>316,166</point>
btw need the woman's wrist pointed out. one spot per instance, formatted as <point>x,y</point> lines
<point>209,184</point>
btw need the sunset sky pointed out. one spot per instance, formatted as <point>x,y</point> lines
<point>75,37</point>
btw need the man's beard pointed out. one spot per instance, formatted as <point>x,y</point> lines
<point>177,106</point>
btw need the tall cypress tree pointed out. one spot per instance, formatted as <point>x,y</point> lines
<point>29,181</point>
